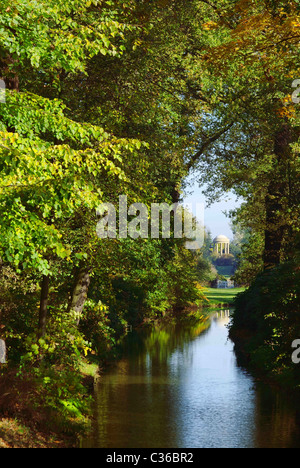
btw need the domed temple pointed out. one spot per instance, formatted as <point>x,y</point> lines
<point>222,245</point>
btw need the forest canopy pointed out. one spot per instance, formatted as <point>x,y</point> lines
<point>107,98</point>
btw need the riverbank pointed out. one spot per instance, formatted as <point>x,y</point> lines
<point>17,434</point>
<point>265,324</point>
<point>22,426</point>
<point>176,388</point>
<point>263,364</point>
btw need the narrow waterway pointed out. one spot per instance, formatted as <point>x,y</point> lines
<point>181,387</point>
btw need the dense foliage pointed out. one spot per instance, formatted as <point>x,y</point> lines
<point>266,323</point>
<point>106,98</point>
<point>83,123</point>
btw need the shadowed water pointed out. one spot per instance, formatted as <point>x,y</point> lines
<point>180,387</point>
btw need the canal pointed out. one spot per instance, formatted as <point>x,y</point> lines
<point>182,387</point>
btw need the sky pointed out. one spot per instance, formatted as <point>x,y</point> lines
<point>214,218</point>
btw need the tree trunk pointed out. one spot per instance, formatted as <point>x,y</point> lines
<point>274,202</point>
<point>10,78</point>
<point>80,292</point>
<point>43,307</point>
<point>175,194</point>
<point>274,231</point>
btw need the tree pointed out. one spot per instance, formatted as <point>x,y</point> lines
<point>51,166</point>
<point>252,60</point>
<point>90,113</point>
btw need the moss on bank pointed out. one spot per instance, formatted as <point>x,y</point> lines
<point>17,434</point>
<point>24,424</point>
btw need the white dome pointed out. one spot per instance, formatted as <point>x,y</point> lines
<point>221,238</point>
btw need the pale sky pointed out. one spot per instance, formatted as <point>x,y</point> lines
<point>214,218</point>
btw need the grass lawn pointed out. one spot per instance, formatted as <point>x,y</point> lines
<point>221,296</point>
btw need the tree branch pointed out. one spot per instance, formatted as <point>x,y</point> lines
<point>206,144</point>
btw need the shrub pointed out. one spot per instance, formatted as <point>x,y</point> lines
<point>269,312</point>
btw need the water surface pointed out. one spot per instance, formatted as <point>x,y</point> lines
<point>180,387</point>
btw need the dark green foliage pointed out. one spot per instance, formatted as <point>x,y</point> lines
<point>225,260</point>
<point>108,98</point>
<point>266,320</point>
<point>206,271</point>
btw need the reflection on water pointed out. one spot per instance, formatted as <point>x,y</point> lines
<point>181,387</point>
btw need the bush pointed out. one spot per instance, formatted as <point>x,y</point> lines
<point>225,260</point>
<point>96,327</point>
<point>270,313</point>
